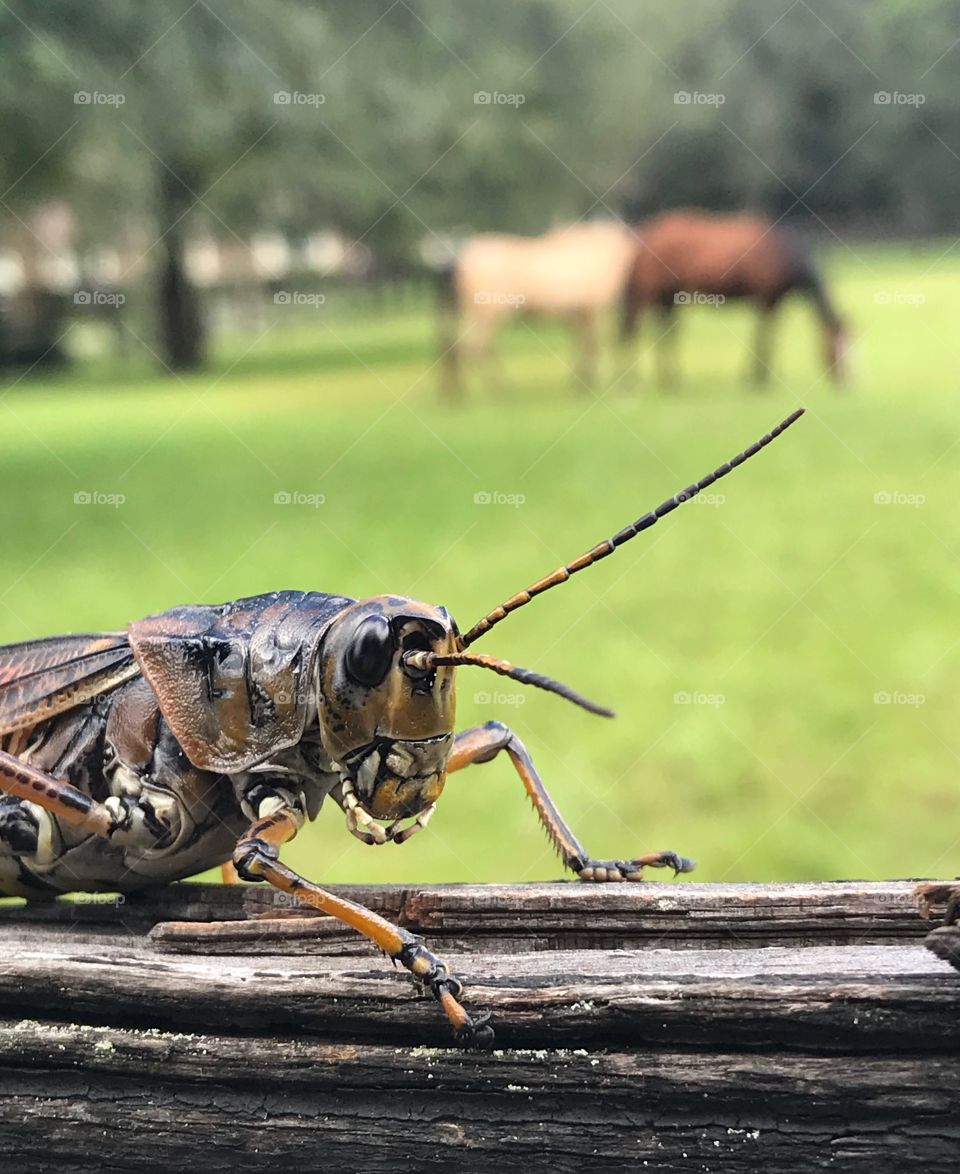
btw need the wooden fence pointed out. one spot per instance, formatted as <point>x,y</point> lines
<point>651,1027</point>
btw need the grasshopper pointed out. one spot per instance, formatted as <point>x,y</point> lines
<point>210,734</point>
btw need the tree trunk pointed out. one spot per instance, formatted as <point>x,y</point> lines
<point>183,332</point>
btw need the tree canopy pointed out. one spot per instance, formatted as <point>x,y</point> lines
<point>392,121</point>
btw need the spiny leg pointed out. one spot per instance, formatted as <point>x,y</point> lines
<point>485,742</point>
<point>256,859</point>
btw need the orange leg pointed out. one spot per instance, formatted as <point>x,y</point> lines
<point>256,859</point>
<point>485,742</point>
<point>69,804</point>
<point>228,873</point>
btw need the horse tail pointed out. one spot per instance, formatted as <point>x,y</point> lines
<point>449,325</point>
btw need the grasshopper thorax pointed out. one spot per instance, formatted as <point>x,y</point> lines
<point>387,725</point>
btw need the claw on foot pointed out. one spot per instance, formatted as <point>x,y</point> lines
<point>433,975</point>
<point>601,871</point>
<point>476,1033</point>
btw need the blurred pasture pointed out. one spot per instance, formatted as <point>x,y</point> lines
<point>782,657</point>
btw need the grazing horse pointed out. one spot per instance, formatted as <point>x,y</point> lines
<point>690,256</point>
<point>574,273</point>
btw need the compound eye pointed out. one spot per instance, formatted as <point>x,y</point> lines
<point>370,654</point>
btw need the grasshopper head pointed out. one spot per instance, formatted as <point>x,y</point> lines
<point>387,723</point>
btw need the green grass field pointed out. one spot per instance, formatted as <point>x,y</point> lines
<point>795,600</point>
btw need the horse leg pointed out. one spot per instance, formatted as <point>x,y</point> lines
<point>761,351</point>
<point>585,360</point>
<point>667,344</point>
<point>629,329</point>
<point>475,345</point>
<point>451,362</point>
<point>493,355</point>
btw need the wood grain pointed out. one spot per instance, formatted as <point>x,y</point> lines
<point>797,1027</point>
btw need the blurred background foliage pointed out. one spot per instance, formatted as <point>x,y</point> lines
<point>400,146</point>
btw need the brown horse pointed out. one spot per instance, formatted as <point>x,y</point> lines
<point>690,257</point>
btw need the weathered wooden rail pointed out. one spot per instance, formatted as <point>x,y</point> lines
<point>649,1027</point>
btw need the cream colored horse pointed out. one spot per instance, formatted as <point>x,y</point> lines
<point>575,273</point>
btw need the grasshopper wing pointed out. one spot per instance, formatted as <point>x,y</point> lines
<point>41,678</point>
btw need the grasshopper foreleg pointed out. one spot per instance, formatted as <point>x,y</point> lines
<point>256,859</point>
<point>485,742</point>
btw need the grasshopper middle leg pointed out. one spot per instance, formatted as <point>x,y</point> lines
<point>485,742</point>
<point>256,859</point>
